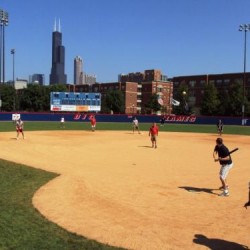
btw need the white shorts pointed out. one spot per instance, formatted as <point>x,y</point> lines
<point>224,170</point>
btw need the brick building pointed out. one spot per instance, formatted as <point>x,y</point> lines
<point>197,83</point>
<point>137,89</point>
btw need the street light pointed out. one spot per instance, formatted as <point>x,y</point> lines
<point>185,105</point>
<point>13,53</point>
<point>4,21</point>
<point>245,28</point>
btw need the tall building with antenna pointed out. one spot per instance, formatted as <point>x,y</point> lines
<point>57,75</point>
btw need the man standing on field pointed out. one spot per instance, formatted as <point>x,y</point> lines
<point>19,128</point>
<point>153,132</point>
<point>135,125</point>
<point>221,154</point>
<point>93,122</point>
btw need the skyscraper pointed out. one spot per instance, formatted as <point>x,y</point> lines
<point>57,75</point>
<point>78,74</point>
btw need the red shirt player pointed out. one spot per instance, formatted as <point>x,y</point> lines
<point>93,122</point>
<point>153,132</point>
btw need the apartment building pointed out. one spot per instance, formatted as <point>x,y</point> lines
<point>197,83</point>
<point>137,88</point>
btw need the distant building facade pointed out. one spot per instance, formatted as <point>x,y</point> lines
<point>89,79</point>
<point>78,71</point>
<point>37,78</point>
<point>57,75</point>
<point>20,84</point>
<point>137,93</point>
<point>196,84</point>
<point>150,82</point>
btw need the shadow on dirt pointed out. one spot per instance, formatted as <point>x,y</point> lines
<point>199,190</point>
<point>217,244</point>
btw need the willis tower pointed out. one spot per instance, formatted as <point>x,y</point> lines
<point>57,75</point>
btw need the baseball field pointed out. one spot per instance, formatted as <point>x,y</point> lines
<point>115,188</point>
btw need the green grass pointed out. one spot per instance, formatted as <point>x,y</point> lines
<point>21,225</point>
<point>36,126</point>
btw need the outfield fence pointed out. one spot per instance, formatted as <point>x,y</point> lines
<point>84,117</point>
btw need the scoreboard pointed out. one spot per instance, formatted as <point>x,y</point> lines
<point>73,101</point>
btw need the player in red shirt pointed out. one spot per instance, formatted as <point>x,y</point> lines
<point>93,122</point>
<point>153,132</point>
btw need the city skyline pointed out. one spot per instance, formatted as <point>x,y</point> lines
<point>177,37</point>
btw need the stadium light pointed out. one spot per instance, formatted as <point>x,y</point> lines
<point>245,28</point>
<point>4,21</point>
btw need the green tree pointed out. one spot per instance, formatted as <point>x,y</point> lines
<point>183,108</point>
<point>33,98</point>
<point>153,104</point>
<point>37,97</point>
<point>57,88</point>
<point>113,100</point>
<point>210,101</point>
<point>8,97</point>
<point>224,99</point>
<point>236,99</point>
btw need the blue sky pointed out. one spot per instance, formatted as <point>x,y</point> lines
<point>179,37</point>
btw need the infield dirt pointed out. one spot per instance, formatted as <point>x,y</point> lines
<point>114,188</point>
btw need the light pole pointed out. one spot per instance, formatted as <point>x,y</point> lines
<point>184,101</point>
<point>13,53</point>
<point>245,28</point>
<point>4,21</point>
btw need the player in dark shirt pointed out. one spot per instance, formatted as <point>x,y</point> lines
<point>221,154</point>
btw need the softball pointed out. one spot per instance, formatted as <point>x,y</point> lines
<point>184,92</point>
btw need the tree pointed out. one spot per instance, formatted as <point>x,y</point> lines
<point>210,101</point>
<point>183,108</point>
<point>37,97</point>
<point>113,100</point>
<point>224,98</point>
<point>153,103</point>
<point>57,88</point>
<point>8,97</point>
<point>33,98</point>
<point>236,99</point>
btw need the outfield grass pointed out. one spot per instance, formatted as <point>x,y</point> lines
<point>21,225</point>
<point>38,126</point>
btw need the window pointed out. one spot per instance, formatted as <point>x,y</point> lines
<point>202,82</point>
<point>192,83</point>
